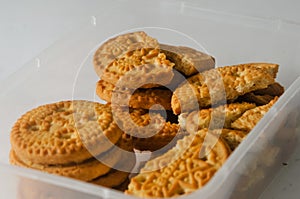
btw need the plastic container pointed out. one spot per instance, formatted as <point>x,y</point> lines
<point>64,71</point>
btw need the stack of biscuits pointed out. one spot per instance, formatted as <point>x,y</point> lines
<point>76,139</point>
<point>164,98</point>
<point>138,76</point>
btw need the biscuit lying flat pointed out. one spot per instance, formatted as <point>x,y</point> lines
<point>183,169</point>
<point>213,118</point>
<point>64,132</point>
<point>143,67</point>
<point>188,60</point>
<point>86,171</point>
<point>118,46</point>
<point>220,84</point>
<point>140,98</point>
<point>251,117</point>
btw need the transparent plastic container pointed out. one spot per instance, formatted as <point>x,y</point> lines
<point>64,71</point>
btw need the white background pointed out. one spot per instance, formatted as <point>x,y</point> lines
<point>28,27</point>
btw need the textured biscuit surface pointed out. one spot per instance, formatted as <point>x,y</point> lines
<point>233,137</point>
<point>188,60</point>
<point>251,117</point>
<point>143,67</point>
<point>217,85</point>
<point>183,169</point>
<point>214,118</point>
<point>149,130</point>
<point>64,132</point>
<point>118,46</point>
<point>140,98</point>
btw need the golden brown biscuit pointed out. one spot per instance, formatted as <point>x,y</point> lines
<point>145,67</point>
<point>64,132</point>
<point>251,117</point>
<point>85,171</point>
<point>218,85</point>
<point>150,130</point>
<point>118,46</point>
<point>183,169</point>
<point>219,117</point>
<point>140,98</point>
<point>91,168</point>
<point>188,60</point>
<point>270,68</point>
<point>233,137</point>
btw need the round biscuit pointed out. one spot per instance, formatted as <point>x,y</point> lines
<point>118,46</point>
<point>150,130</point>
<point>188,60</point>
<point>140,68</point>
<point>183,169</point>
<point>64,132</point>
<point>139,98</point>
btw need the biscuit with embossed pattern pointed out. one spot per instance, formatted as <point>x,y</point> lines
<point>183,169</point>
<point>140,98</point>
<point>188,60</point>
<point>219,117</point>
<point>251,117</point>
<point>64,132</point>
<point>150,130</point>
<point>118,46</point>
<point>227,82</point>
<point>144,68</point>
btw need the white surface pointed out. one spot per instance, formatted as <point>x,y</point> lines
<point>28,27</point>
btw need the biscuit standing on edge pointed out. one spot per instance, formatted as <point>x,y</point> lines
<point>251,117</point>
<point>221,116</point>
<point>60,133</point>
<point>183,169</point>
<point>237,80</point>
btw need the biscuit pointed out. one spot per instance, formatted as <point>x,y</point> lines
<point>149,130</point>
<point>119,172</point>
<point>188,60</point>
<point>122,187</point>
<point>112,179</point>
<point>64,132</point>
<point>233,137</point>
<point>140,98</point>
<point>251,117</point>
<point>88,169</point>
<point>183,169</point>
<point>145,67</point>
<point>118,46</point>
<point>263,96</point>
<point>270,68</point>
<point>219,117</point>
<point>227,82</point>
